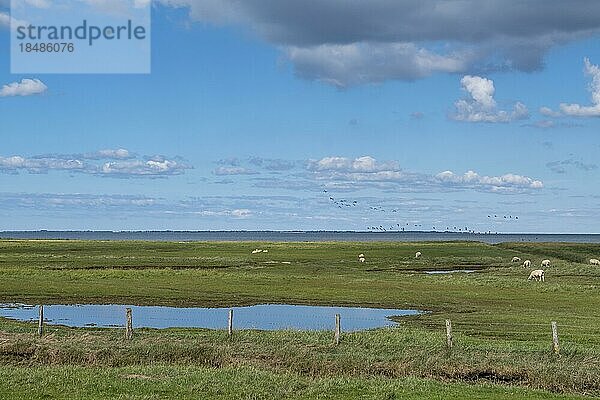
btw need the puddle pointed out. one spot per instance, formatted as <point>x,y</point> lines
<point>262,317</point>
<point>466,271</point>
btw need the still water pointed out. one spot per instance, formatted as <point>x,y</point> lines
<point>262,317</point>
<point>300,236</point>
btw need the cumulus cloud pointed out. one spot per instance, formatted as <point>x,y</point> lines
<point>39,165</point>
<point>354,42</point>
<point>480,105</point>
<point>26,87</point>
<point>349,174</point>
<point>113,163</point>
<point>577,110</point>
<point>364,164</point>
<point>119,154</point>
<point>548,112</point>
<point>368,172</point>
<point>506,182</point>
<point>156,166</point>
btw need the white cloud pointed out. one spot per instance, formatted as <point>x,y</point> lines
<point>42,165</point>
<point>38,3</point>
<point>26,87</point>
<point>152,168</point>
<point>551,124</point>
<point>125,166</point>
<point>4,20</point>
<point>507,182</point>
<point>548,112</point>
<point>221,171</point>
<point>236,213</point>
<point>241,213</point>
<point>365,164</point>
<point>480,105</point>
<point>114,153</point>
<point>577,110</point>
<point>76,201</point>
<point>362,172</point>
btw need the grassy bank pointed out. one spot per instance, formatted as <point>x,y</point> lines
<point>501,321</point>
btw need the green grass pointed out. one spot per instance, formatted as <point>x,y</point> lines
<point>160,381</point>
<point>501,321</point>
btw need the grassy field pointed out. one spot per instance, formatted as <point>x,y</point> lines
<point>501,321</point>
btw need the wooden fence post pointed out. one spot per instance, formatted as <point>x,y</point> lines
<point>449,334</point>
<point>555,345</point>
<point>129,325</point>
<point>338,329</point>
<point>230,323</point>
<point>41,321</point>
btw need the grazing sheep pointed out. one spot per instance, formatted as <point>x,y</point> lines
<point>417,254</point>
<point>265,251</point>
<point>537,275</point>
<point>256,251</point>
<point>545,263</point>
<point>527,264</point>
<point>361,255</point>
<point>361,259</point>
<point>516,259</point>
<point>595,261</point>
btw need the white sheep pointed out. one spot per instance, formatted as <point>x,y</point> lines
<point>265,251</point>
<point>361,255</point>
<point>516,259</point>
<point>545,263</point>
<point>256,251</point>
<point>527,264</point>
<point>417,254</point>
<point>536,274</point>
<point>361,259</point>
<point>594,261</point>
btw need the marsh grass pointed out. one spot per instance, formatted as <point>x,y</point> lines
<point>501,321</point>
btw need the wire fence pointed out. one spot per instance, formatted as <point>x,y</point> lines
<point>279,317</point>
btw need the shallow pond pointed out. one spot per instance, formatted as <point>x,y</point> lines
<point>262,317</point>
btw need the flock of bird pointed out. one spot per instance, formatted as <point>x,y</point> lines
<point>407,226</point>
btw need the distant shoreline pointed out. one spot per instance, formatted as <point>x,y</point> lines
<point>301,236</point>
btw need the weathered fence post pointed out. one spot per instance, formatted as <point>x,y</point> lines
<point>230,323</point>
<point>338,329</point>
<point>129,325</point>
<point>41,321</point>
<point>555,345</point>
<point>449,334</point>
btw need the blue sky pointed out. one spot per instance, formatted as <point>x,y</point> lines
<point>255,115</point>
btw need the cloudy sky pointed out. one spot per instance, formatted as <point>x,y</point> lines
<point>321,114</point>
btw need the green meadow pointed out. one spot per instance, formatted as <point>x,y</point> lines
<point>501,321</point>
